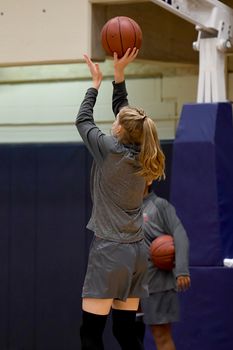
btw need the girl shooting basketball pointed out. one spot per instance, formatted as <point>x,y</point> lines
<point>123,162</point>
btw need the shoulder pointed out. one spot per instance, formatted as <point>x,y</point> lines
<point>163,205</point>
<point>114,145</point>
<point>160,202</point>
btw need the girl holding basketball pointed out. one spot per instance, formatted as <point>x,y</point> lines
<point>123,162</point>
<point>161,307</point>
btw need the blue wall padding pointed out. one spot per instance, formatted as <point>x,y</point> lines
<point>60,245</point>
<point>206,312</point>
<point>22,236</point>
<point>5,216</point>
<point>162,188</point>
<point>43,245</point>
<point>201,182</point>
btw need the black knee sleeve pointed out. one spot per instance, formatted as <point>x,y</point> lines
<point>91,331</point>
<point>124,329</point>
<point>140,328</point>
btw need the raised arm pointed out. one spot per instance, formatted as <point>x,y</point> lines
<point>95,140</point>
<point>119,97</point>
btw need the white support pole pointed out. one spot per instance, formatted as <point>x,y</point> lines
<point>214,21</point>
<point>211,83</point>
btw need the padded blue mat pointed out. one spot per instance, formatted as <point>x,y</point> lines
<point>201,182</point>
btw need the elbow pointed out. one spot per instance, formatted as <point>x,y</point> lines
<point>77,121</point>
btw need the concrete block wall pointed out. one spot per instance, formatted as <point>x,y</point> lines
<point>44,109</point>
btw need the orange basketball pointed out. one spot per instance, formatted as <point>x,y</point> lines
<point>162,252</point>
<point>119,34</point>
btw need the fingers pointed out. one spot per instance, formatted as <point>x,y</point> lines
<point>98,72</point>
<point>94,67</point>
<point>129,55</point>
<point>134,53</point>
<point>183,283</point>
<point>87,59</point>
<point>95,71</point>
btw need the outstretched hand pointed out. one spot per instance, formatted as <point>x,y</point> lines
<point>95,71</point>
<point>129,56</point>
<point>121,63</point>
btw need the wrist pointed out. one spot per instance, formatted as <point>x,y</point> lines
<point>96,86</point>
<point>119,77</point>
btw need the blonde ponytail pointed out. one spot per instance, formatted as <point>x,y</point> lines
<point>151,156</point>
<point>141,130</point>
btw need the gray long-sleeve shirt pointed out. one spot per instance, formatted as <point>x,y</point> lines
<point>160,218</point>
<point>117,192</point>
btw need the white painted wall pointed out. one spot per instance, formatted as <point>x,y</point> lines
<point>36,31</point>
<point>46,111</point>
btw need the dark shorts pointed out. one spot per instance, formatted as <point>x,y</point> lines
<point>161,308</point>
<point>116,270</point>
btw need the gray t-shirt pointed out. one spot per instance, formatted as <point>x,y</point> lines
<point>116,189</point>
<point>160,218</point>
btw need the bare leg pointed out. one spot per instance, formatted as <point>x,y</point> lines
<point>129,304</point>
<point>97,306</point>
<point>163,337</point>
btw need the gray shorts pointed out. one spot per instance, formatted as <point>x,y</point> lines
<point>116,270</point>
<point>161,308</point>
